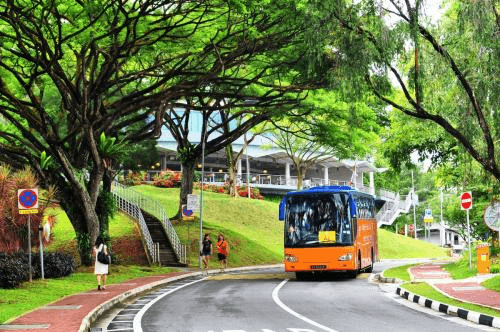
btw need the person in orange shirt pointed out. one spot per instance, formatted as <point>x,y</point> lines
<point>222,251</point>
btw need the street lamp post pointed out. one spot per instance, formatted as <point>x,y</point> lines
<point>201,192</point>
<point>413,203</point>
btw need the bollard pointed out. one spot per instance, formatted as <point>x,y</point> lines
<point>483,258</point>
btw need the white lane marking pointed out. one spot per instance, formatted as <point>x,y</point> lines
<point>138,318</point>
<point>290,311</point>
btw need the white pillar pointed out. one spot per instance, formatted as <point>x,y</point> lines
<point>287,173</point>
<point>372,184</point>
<point>240,172</point>
<point>164,162</point>
<point>325,176</point>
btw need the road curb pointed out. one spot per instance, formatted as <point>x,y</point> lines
<point>92,316</point>
<point>380,278</point>
<point>472,316</point>
<point>103,307</point>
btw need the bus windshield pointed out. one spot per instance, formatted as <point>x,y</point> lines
<point>319,219</point>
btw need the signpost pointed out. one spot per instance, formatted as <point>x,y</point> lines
<point>466,204</point>
<point>193,203</point>
<point>27,202</point>
<point>428,218</point>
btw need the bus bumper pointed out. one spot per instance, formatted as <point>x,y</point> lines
<point>320,259</point>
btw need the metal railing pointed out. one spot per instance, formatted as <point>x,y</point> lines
<point>392,208</point>
<point>264,178</point>
<point>135,212</point>
<point>154,208</point>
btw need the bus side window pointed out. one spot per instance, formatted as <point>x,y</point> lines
<point>354,228</point>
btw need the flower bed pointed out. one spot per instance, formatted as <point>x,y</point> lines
<point>168,179</point>
<point>242,191</point>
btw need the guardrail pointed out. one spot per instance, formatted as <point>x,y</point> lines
<point>154,208</point>
<point>135,212</point>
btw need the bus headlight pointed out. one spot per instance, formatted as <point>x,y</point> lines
<point>291,258</point>
<point>346,257</point>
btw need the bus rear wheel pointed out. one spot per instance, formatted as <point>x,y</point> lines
<point>369,269</point>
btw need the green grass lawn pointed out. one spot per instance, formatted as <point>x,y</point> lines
<point>492,283</point>
<point>395,246</point>
<point>123,230</point>
<point>461,270</point>
<point>400,272</point>
<point>425,290</point>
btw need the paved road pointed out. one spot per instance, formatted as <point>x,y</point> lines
<point>273,301</point>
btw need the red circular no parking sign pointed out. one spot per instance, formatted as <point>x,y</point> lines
<point>466,200</point>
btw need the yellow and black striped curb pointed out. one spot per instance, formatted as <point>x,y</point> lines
<point>472,316</point>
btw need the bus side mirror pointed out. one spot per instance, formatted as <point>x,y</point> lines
<point>282,209</point>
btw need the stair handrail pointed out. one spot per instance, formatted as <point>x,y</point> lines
<point>155,208</point>
<point>135,212</point>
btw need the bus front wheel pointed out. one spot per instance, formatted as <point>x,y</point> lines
<point>302,275</point>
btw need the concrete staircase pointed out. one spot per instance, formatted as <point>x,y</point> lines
<point>394,205</point>
<point>167,254</point>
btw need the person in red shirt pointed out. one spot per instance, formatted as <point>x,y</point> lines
<point>222,251</point>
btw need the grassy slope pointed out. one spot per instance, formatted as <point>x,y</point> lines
<point>252,228</point>
<point>393,246</point>
<point>254,225</point>
<point>125,238</point>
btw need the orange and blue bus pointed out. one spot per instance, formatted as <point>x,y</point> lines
<point>329,228</point>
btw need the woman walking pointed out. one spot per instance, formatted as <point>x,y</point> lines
<point>206,251</point>
<point>222,251</point>
<point>100,269</point>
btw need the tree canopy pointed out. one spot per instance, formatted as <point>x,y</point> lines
<point>71,71</point>
<point>444,72</point>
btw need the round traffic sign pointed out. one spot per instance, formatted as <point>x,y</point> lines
<point>28,198</point>
<point>186,212</point>
<point>466,200</point>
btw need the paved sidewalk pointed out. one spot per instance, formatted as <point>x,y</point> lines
<point>67,314</point>
<point>466,290</point>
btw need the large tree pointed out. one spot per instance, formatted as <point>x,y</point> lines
<point>71,71</point>
<point>447,72</point>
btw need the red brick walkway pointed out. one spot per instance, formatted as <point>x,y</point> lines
<point>467,290</point>
<point>67,314</point>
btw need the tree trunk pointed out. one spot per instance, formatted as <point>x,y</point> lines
<point>299,178</point>
<point>103,205</point>
<point>84,219</point>
<point>231,166</point>
<point>186,184</point>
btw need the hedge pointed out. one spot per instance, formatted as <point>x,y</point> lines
<point>14,269</point>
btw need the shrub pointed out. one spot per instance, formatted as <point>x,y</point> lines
<point>13,225</point>
<point>55,265</point>
<point>14,269</point>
